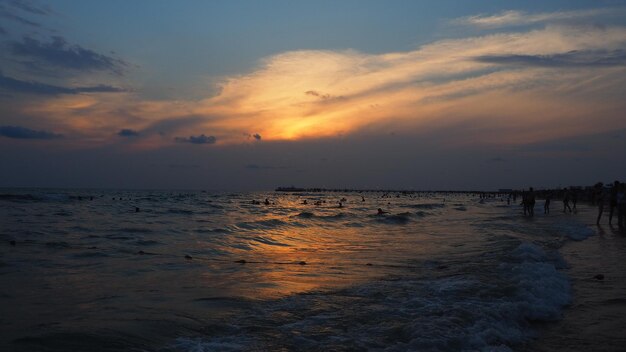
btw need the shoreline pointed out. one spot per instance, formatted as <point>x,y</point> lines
<point>596,318</point>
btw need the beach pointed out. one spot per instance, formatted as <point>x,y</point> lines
<point>108,270</point>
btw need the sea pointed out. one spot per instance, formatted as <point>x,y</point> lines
<point>124,270</point>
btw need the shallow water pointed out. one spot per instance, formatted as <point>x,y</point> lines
<point>197,271</point>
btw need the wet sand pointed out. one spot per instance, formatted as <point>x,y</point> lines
<point>596,320</point>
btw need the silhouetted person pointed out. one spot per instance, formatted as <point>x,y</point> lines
<point>304,202</point>
<point>600,197</point>
<point>136,209</point>
<point>530,198</point>
<point>546,205</point>
<point>267,201</point>
<point>613,200</point>
<point>566,197</point>
<point>574,199</point>
<point>381,212</point>
<point>525,202</point>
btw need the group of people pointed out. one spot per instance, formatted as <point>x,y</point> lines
<point>615,198</point>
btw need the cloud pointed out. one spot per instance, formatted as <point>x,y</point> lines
<point>17,18</point>
<point>18,86</point>
<point>60,54</point>
<point>127,133</point>
<point>596,58</point>
<point>18,132</point>
<point>256,136</point>
<point>28,6</point>
<point>518,18</point>
<point>504,89</point>
<point>201,139</point>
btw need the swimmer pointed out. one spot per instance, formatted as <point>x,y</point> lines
<point>381,212</point>
<point>267,201</point>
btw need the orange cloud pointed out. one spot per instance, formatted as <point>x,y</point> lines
<point>314,94</point>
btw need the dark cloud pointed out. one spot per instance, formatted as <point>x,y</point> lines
<point>60,54</point>
<point>590,58</point>
<point>201,139</point>
<point>18,86</point>
<point>17,18</point>
<point>28,6</point>
<point>127,133</point>
<point>255,136</point>
<point>18,132</point>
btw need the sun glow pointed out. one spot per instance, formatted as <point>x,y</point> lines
<point>319,94</point>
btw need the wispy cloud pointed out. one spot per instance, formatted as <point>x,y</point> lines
<point>16,10</point>
<point>59,53</point>
<point>596,58</point>
<point>12,85</point>
<point>18,132</point>
<point>29,6</point>
<point>517,18</point>
<point>507,88</point>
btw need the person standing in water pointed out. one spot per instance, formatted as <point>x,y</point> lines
<point>574,199</point>
<point>566,196</point>
<point>600,197</point>
<point>613,200</point>
<point>546,205</point>
<point>530,199</point>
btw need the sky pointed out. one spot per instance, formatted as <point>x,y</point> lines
<point>253,95</point>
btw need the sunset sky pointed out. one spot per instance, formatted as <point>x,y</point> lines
<point>251,95</point>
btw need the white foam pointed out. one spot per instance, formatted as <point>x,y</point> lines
<point>461,313</point>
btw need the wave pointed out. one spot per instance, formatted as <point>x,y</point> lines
<point>262,224</point>
<point>575,231</point>
<point>428,206</point>
<point>394,219</point>
<point>457,313</point>
<point>269,241</point>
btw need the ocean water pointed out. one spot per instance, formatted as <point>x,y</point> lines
<point>202,271</point>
